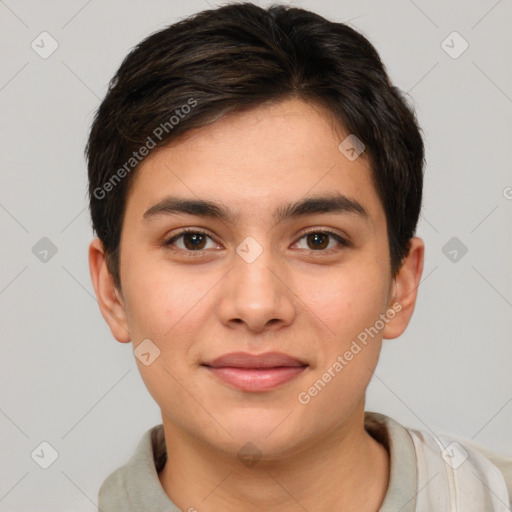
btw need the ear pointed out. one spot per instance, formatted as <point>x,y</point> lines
<point>109,298</point>
<point>404,290</point>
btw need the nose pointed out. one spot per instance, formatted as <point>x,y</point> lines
<point>257,294</point>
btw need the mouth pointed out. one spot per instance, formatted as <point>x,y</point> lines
<point>256,372</point>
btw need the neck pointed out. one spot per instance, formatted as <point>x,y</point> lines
<point>345,470</point>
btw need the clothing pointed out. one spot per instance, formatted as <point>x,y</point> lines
<point>427,474</point>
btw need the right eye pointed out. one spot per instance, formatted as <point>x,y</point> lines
<point>191,240</point>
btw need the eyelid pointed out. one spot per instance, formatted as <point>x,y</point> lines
<point>328,231</point>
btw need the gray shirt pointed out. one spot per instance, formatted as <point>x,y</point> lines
<point>135,487</point>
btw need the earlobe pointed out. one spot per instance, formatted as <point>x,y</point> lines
<point>404,289</point>
<point>109,298</point>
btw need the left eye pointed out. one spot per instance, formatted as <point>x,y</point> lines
<point>320,240</point>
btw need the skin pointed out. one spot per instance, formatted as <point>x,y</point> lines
<point>307,302</point>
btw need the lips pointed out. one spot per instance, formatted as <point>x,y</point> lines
<point>256,372</point>
<point>244,360</point>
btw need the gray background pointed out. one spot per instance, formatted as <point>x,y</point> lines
<point>66,381</point>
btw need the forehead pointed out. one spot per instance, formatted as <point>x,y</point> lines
<point>256,160</point>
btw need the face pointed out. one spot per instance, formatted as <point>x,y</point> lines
<point>291,258</point>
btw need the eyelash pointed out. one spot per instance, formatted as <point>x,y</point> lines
<point>199,252</point>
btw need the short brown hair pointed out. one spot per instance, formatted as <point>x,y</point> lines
<point>240,56</point>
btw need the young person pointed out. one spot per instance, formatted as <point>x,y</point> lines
<point>255,183</point>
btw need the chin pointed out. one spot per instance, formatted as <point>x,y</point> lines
<point>268,432</point>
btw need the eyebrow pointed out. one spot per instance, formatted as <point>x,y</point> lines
<point>336,203</point>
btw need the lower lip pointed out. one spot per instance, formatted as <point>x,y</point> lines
<point>257,379</point>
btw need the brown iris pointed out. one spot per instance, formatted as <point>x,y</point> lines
<point>316,237</point>
<point>197,240</point>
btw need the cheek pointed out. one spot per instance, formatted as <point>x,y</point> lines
<point>346,300</point>
<point>169,308</point>
<point>347,355</point>
<point>164,310</point>
<point>161,298</point>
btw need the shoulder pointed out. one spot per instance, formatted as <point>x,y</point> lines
<point>466,465</point>
<point>135,485</point>
<point>447,469</point>
<point>502,462</point>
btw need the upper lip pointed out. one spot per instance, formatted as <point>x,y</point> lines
<point>246,360</point>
